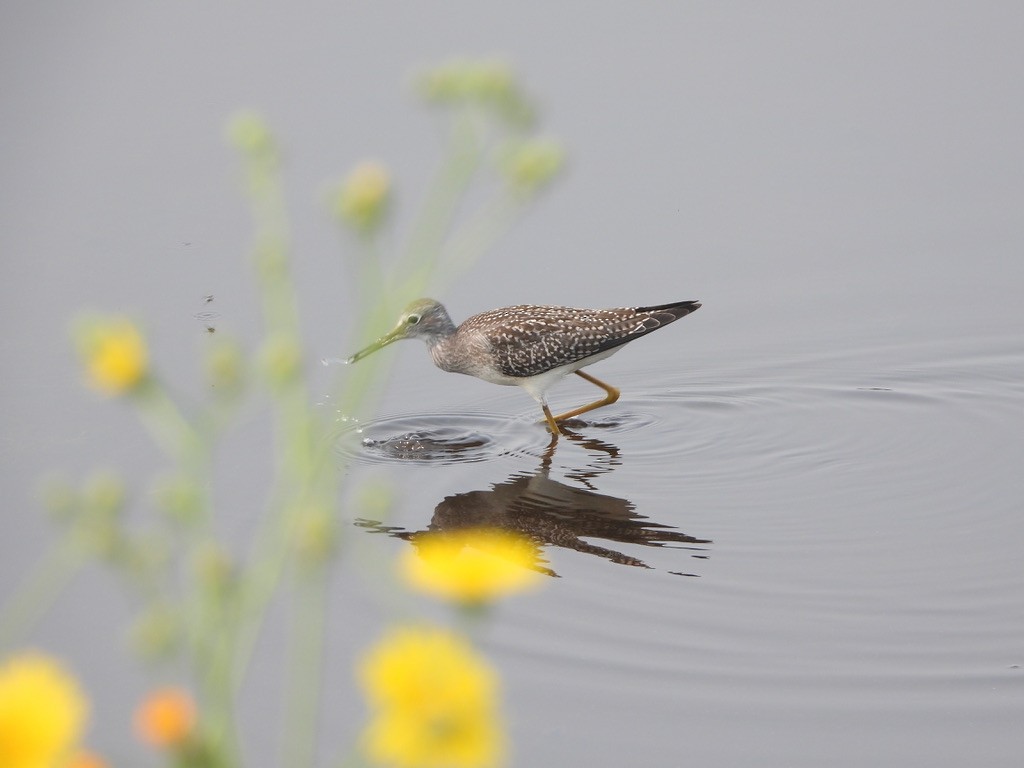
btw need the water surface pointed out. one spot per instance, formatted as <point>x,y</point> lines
<point>794,541</point>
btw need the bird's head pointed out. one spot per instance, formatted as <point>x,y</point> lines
<point>425,319</point>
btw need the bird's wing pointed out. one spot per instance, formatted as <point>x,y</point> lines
<point>543,338</point>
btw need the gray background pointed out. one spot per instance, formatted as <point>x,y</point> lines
<point>842,185</point>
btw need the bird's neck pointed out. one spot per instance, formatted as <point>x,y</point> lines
<point>445,351</point>
<point>442,330</point>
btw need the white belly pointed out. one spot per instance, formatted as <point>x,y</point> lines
<point>542,382</point>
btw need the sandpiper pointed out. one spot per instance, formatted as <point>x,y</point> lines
<point>529,346</point>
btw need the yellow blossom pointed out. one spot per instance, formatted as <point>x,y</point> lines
<point>433,702</point>
<point>166,718</point>
<point>42,712</point>
<point>114,353</point>
<point>471,565</point>
<point>363,197</point>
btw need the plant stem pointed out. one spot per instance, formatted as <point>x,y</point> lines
<point>41,588</point>
<point>305,665</point>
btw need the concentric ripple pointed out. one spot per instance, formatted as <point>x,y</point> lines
<point>442,438</point>
<point>612,421</point>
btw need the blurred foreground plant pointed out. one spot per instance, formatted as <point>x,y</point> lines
<point>433,701</point>
<point>471,567</point>
<point>203,596</point>
<point>166,719</point>
<point>42,714</point>
<point>114,354</point>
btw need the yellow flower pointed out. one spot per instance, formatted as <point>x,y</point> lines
<point>42,712</point>
<point>471,565</point>
<point>363,197</point>
<point>114,353</point>
<point>166,718</point>
<point>433,701</point>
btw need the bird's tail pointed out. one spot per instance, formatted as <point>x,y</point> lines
<point>677,308</point>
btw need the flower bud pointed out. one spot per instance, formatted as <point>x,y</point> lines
<point>225,369</point>
<point>316,535</point>
<point>281,360</point>
<point>531,165</point>
<point>180,499</point>
<point>363,198</point>
<point>249,133</point>
<point>156,634</point>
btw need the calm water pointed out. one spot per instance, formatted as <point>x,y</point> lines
<point>795,540</point>
<point>847,526</point>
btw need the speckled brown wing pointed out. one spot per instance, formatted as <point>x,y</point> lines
<point>529,340</point>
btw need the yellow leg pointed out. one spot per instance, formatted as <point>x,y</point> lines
<point>552,424</point>
<point>613,395</point>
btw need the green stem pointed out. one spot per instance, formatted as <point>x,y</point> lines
<point>168,427</point>
<point>448,191</point>
<point>305,665</point>
<point>42,586</point>
<point>218,684</point>
<point>211,619</point>
<point>477,236</point>
<point>258,585</point>
<point>413,272</point>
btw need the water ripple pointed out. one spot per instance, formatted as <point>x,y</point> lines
<point>440,438</point>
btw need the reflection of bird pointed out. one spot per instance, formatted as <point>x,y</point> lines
<point>551,512</point>
<point>555,513</point>
<point>529,346</point>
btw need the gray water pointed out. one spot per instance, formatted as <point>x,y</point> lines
<point>796,538</point>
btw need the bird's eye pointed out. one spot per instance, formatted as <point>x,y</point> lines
<point>412,319</point>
